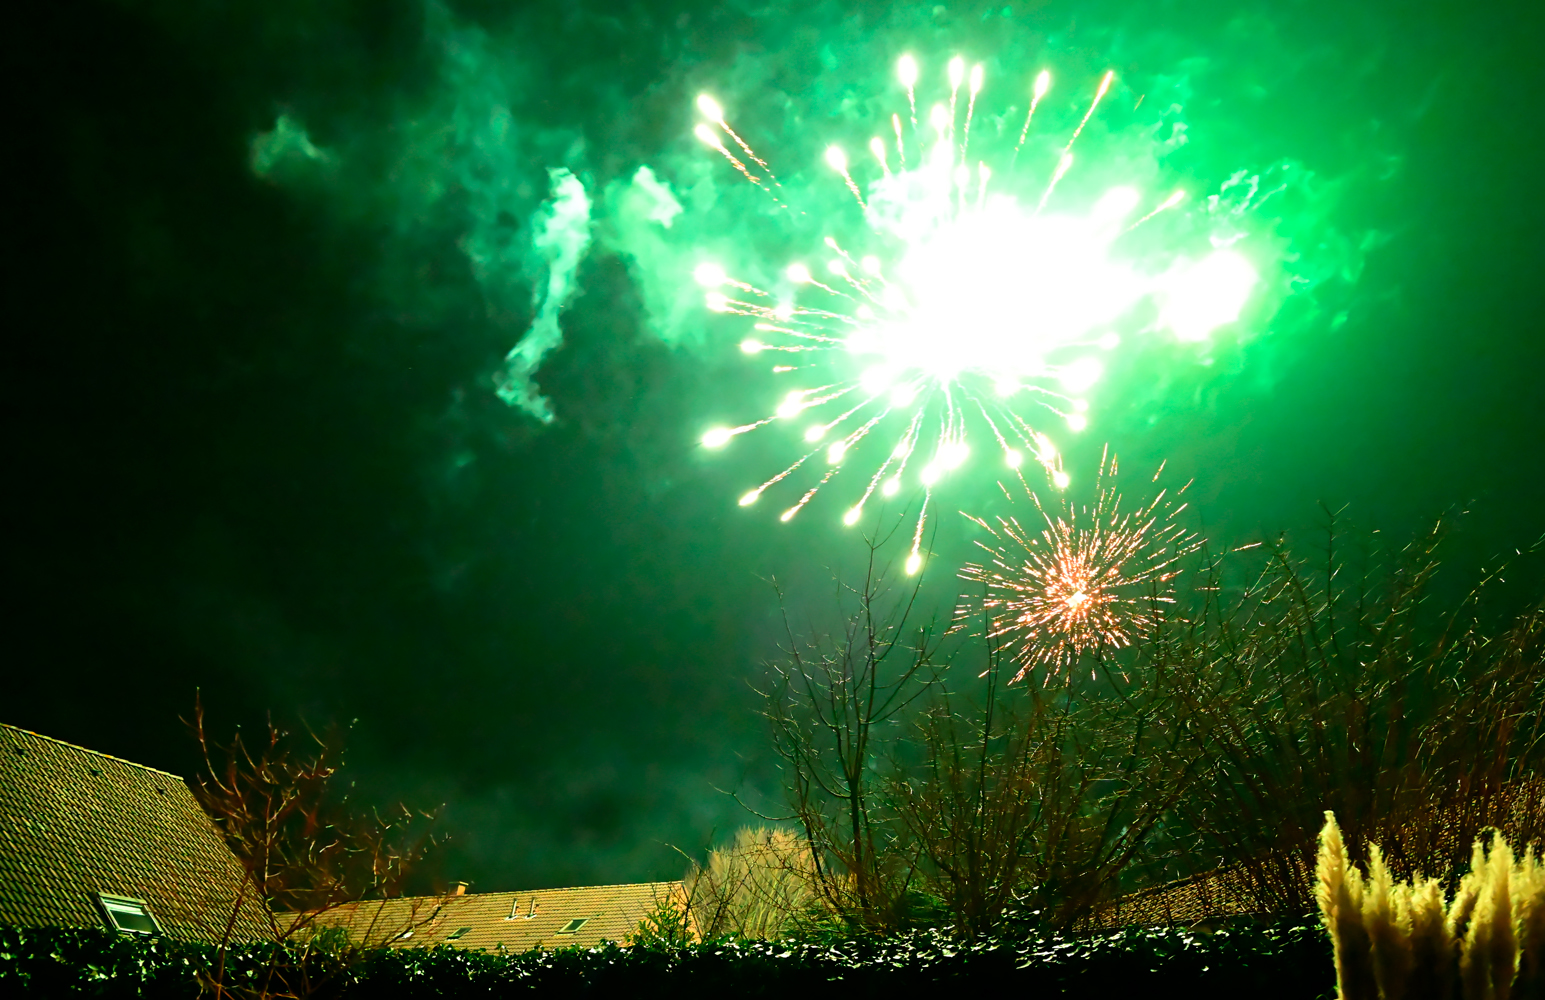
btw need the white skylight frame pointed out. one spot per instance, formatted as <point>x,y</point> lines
<point>127,914</point>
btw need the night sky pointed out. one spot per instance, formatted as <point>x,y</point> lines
<point>254,442</point>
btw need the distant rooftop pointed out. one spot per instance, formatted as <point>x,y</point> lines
<point>515,921</point>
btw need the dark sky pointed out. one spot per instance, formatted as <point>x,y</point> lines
<point>255,448</point>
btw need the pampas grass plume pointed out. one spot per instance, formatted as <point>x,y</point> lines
<point>1393,940</point>
<point>1339,889</point>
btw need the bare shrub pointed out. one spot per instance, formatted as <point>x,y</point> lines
<point>920,803</point>
<point>1210,748</point>
<point>305,853</point>
<point>1352,691</point>
<point>835,704</point>
<point>1036,802</point>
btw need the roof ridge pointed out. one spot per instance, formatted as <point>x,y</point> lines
<point>98,753</point>
<point>609,885</point>
<point>516,892</point>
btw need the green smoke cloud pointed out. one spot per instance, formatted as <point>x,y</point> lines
<point>458,165</point>
<point>483,157</point>
<point>285,145</point>
<point>562,237</point>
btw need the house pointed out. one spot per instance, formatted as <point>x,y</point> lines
<point>88,840</point>
<point>509,921</point>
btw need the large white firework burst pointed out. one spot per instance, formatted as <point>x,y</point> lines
<point>978,311</point>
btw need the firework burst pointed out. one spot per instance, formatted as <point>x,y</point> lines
<point>976,308</point>
<point>1085,579</point>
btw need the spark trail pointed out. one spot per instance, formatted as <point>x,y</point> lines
<point>984,308</point>
<point>1084,579</point>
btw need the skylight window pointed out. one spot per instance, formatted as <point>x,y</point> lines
<point>573,925</point>
<point>459,932</point>
<point>128,916</point>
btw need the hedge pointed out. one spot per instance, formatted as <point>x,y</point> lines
<point>1257,962</point>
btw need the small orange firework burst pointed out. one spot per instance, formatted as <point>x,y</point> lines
<point>1090,579</point>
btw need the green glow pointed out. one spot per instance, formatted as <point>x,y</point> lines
<point>710,108</point>
<point>957,72</point>
<point>1207,295</point>
<point>1080,375</point>
<point>992,293</point>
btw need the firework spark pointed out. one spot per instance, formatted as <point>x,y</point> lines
<point>983,308</point>
<point>1090,579</point>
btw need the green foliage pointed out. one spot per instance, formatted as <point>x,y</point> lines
<point>96,963</point>
<point>667,925</point>
<point>1264,962</point>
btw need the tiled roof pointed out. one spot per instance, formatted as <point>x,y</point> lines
<point>515,921</point>
<point>74,823</point>
<point>1210,896</point>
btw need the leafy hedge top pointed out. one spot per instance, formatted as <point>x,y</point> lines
<point>1262,962</point>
